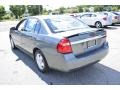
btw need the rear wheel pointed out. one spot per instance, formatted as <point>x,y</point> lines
<point>41,61</point>
<point>113,24</point>
<point>12,44</point>
<point>98,24</point>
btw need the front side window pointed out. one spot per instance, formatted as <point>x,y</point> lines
<point>30,26</point>
<point>21,25</point>
<point>93,15</point>
<point>86,15</point>
<point>64,24</point>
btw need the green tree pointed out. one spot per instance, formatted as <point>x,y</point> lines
<point>61,10</point>
<point>40,9</point>
<point>2,12</point>
<point>115,8</point>
<point>118,7</point>
<point>35,9</point>
<point>98,8</point>
<point>45,12</point>
<point>80,8</point>
<point>17,10</point>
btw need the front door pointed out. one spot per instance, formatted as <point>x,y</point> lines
<point>17,33</point>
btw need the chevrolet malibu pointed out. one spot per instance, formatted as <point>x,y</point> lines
<point>59,42</point>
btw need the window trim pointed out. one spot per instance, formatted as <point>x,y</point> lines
<point>17,26</point>
<point>38,21</point>
<point>93,15</point>
<point>66,30</point>
<point>85,14</point>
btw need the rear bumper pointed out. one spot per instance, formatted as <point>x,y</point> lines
<point>106,23</point>
<point>70,62</point>
<point>115,21</point>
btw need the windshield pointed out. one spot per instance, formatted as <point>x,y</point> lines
<point>61,24</point>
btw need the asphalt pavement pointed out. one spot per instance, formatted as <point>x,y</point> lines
<point>18,68</point>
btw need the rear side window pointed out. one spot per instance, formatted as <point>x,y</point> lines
<point>106,14</point>
<point>30,26</point>
<point>86,15</point>
<point>93,15</point>
<point>115,13</point>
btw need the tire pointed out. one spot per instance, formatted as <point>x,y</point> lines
<point>98,24</point>
<point>113,24</point>
<point>105,26</point>
<point>41,61</point>
<point>12,44</point>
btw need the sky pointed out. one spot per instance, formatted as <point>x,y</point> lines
<point>45,6</point>
<point>53,4</point>
<point>48,4</point>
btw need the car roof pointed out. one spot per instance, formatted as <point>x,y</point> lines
<point>48,16</point>
<point>95,13</point>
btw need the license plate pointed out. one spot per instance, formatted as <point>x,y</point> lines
<point>91,43</point>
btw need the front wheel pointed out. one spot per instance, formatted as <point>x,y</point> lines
<point>41,61</point>
<point>98,24</point>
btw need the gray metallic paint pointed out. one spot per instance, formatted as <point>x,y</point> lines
<point>47,42</point>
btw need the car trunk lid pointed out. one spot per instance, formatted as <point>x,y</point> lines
<point>85,40</point>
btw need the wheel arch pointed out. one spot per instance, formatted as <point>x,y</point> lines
<point>34,50</point>
<point>99,22</point>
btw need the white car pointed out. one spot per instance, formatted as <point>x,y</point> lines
<point>115,17</point>
<point>117,13</point>
<point>95,19</point>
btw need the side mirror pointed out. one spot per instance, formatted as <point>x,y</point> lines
<point>13,28</point>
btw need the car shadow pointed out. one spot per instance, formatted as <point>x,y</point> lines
<point>116,25</point>
<point>110,28</point>
<point>92,75</point>
<point>107,27</point>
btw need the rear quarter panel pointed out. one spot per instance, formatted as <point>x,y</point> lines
<point>47,44</point>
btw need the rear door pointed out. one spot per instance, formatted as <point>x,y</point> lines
<point>94,18</point>
<point>86,18</point>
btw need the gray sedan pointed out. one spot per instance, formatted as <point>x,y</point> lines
<point>59,42</point>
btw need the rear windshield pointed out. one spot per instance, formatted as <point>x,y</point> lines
<point>61,24</point>
<point>115,13</point>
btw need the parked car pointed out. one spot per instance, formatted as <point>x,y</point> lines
<point>115,17</point>
<point>117,13</point>
<point>59,42</point>
<point>74,14</point>
<point>95,19</point>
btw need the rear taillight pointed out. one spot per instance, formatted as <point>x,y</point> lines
<point>115,17</point>
<point>64,46</point>
<point>105,18</point>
